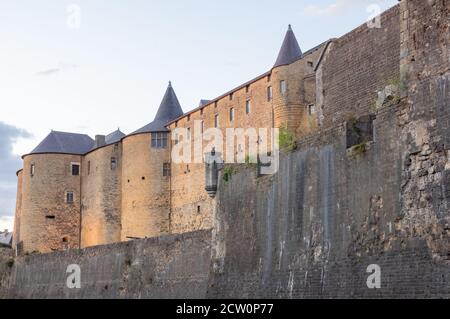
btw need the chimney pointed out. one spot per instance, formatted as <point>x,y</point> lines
<point>100,140</point>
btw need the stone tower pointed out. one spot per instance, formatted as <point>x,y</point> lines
<point>289,86</point>
<point>51,193</point>
<point>146,174</point>
<point>102,191</point>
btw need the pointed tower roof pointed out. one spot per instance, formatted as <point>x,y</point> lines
<point>290,50</point>
<point>169,110</point>
<point>64,143</point>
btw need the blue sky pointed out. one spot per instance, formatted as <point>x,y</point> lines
<point>113,70</point>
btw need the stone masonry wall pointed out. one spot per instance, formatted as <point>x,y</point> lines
<point>48,222</point>
<point>174,266</point>
<point>145,199</point>
<point>101,187</point>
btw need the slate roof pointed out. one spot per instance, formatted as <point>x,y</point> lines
<point>65,143</point>
<point>6,238</point>
<point>204,102</point>
<point>290,50</point>
<point>114,137</point>
<point>169,110</point>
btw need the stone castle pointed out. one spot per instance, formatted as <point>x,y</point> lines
<point>364,180</point>
<point>76,192</point>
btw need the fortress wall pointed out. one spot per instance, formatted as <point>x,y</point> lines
<point>18,213</point>
<point>6,264</point>
<point>145,199</point>
<point>47,221</point>
<point>101,199</point>
<point>312,230</point>
<point>174,266</point>
<point>188,181</point>
<point>357,66</point>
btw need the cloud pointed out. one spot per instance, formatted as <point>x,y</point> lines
<point>62,67</point>
<point>6,222</point>
<point>9,164</point>
<point>339,7</point>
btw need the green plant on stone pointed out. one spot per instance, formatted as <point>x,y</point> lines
<point>286,139</point>
<point>227,173</point>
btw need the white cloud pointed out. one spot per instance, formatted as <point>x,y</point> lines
<point>338,7</point>
<point>6,222</point>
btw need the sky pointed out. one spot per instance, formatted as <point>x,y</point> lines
<point>92,66</point>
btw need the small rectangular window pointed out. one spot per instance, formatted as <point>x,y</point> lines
<point>159,140</point>
<point>247,107</point>
<point>311,109</point>
<point>202,127</point>
<point>32,168</point>
<point>188,117</point>
<point>201,111</point>
<point>89,168</point>
<point>231,114</point>
<point>247,89</point>
<point>269,78</point>
<point>269,94</point>
<point>231,96</point>
<point>113,163</point>
<point>69,198</point>
<point>216,121</point>
<point>166,169</point>
<point>283,87</point>
<point>75,169</point>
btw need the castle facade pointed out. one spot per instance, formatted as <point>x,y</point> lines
<point>75,191</point>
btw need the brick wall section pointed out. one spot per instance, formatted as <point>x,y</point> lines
<point>101,196</point>
<point>358,65</point>
<point>17,216</point>
<point>174,266</point>
<point>145,200</point>
<point>312,230</point>
<point>44,194</point>
<point>6,264</point>
<point>188,180</point>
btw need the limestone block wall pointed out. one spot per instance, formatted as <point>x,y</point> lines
<point>18,213</point>
<point>191,208</point>
<point>145,191</point>
<point>48,222</point>
<point>357,66</point>
<point>101,196</point>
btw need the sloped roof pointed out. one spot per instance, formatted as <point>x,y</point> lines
<point>6,238</point>
<point>114,137</point>
<point>169,110</point>
<point>203,102</point>
<point>65,143</point>
<point>290,50</point>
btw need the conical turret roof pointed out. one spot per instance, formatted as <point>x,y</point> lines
<point>169,110</point>
<point>290,50</point>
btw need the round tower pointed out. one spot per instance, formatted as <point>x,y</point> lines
<point>146,174</point>
<point>50,212</point>
<point>102,191</point>
<point>286,85</point>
